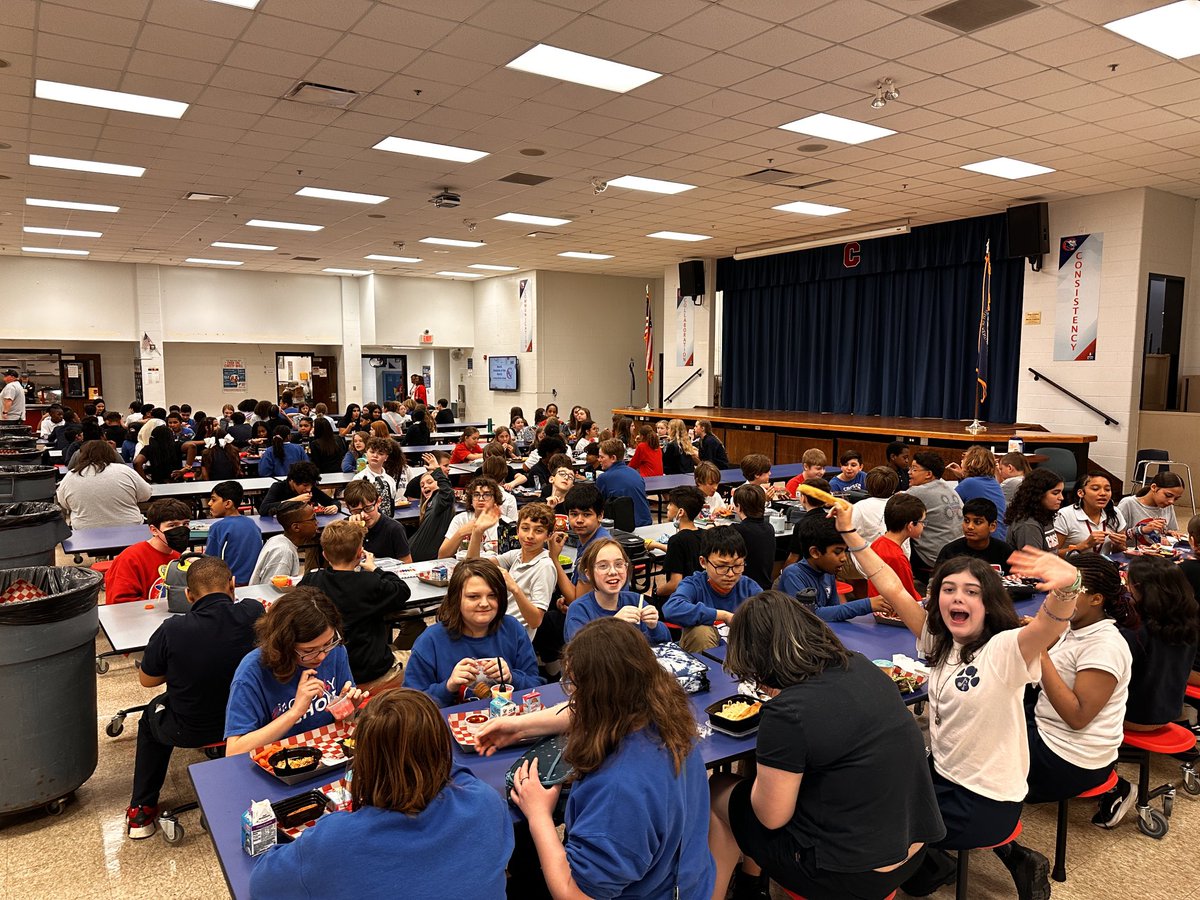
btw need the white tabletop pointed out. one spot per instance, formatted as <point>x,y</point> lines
<point>259,483</point>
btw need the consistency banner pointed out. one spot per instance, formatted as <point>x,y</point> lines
<point>1077,309</point>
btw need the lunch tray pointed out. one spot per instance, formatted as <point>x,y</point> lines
<point>458,728</point>
<point>324,739</point>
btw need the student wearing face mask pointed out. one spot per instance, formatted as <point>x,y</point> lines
<point>135,570</point>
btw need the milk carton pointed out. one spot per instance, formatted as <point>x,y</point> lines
<point>258,828</point>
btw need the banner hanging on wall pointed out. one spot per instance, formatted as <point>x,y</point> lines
<point>685,331</point>
<point>1077,310</point>
<point>233,376</point>
<point>526,316</point>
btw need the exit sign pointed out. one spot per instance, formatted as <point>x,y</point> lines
<point>426,338</point>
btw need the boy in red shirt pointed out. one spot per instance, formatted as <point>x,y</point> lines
<point>135,570</point>
<point>468,449</point>
<point>904,518</point>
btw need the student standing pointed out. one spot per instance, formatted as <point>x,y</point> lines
<point>1030,516</point>
<point>607,567</point>
<point>232,537</point>
<point>418,392</point>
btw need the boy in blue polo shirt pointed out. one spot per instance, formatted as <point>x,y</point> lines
<point>714,593</point>
<point>618,480</point>
<point>232,537</point>
<point>823,552</point>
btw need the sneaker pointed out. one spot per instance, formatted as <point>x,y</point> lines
<point>1030,871</point>
<point>140,821</point>
<point>937,869</point>
<point>1114,805</point>
<point>750,887</point>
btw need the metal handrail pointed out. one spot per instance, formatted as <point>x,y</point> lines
<point>1108,420</point>
<point>686,382</point>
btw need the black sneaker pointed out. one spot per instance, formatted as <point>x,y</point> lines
<point>140,821</point>
<point>750,887</point>
<point>1114,805</point>
<point>1030,872</point>
<point>938,868</point>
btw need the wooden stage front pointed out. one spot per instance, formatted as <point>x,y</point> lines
<point>784,436</point>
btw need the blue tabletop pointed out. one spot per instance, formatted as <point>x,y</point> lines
<point>118,537</point>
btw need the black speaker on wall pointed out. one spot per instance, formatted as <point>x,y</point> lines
<point>1029,230</point>
<point>691,278</point>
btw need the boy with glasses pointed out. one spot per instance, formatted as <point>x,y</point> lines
<point>823,554</point>
<point>279,555</point>
<point>562,479</point>
<point>484,494</point>
<point>385,537</point>
<point>713,594</point>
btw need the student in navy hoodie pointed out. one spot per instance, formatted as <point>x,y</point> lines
<point>714,593</point>
<point>636,818</point>
<point>618,480</point>
<point>473,643</point>
<point>823,552</point>
<point>409,802</point>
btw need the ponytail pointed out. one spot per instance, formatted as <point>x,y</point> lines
<point>1101,576</point>
<point>1163,479</point>
<point>282,433</point>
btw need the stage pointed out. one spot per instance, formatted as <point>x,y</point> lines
<point>784,436</point>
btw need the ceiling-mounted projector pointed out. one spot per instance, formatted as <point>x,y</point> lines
<point>446,200</point>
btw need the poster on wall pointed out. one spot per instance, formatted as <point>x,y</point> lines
<point>526,316</point>
<point>427,377</point>
<point>1077,310</point>
<point>685,331</point>
<point>233,375</point>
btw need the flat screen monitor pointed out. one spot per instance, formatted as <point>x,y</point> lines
<point>502,373</point>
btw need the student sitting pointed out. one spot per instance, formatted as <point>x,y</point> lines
<point>811,506</point>
<point>279,556</point>
<point>495,468</point>
<point>304,431</point>
<point>978,540</point>
<point>232,537</point>
<point>607,568</point>
<point>326,449</point>
<point>195,655</point>
<point>99,490</point>
<point>369,601</point>
<point>219,460</point>
<point>356,452</point>
<point>529,573</point>
<point>647,453</point>
<point>824,553</point>
<point>713,594</point>
<point>842,803</point>
<point>756,469</point>
<point>591,461</point>
<point>708,480</point>
<point>379,449</point>
<point>467,449</point>
<point>485,505</point>
<point>814,462</point>
<point>385,537</point>
<point>709,446</point>
<point>444,415</point>
<point>136,568</point>
<point>300,486</point>
<point>283,686</point>
<point>635,817</point>
<point>589,433</point>
<point>904,521</point>
<point>420,430</point>
<point>1092,522</point>
<point>979,480</point>
<point>749,505</point>
<point>881,483</point>
<point>473,644</point>
<point>407,792</point>
<point>680,457</point>
<point>394,417</point>
<point>437,510</point>
<point>898,461</point>
<point>943,508</point>
<point>684,505</point>
<point>161,456</point>
<point>1030,516</point>
<point>852,476</point>
<point>281,455</point>
<point>1011,470</point>
<point>562,479</point>
<point>618,480</point>
<point>1191,571</point>
<point>502,442</point>
<point>54,418</point>
<point>1150,513</point>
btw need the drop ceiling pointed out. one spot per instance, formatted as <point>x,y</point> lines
<point>1049,86</point>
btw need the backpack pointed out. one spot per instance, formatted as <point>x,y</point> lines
<point>174,580</point>
<point>691,674</point>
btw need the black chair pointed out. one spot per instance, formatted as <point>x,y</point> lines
<point>620,510</point>
<point>1063,462</point>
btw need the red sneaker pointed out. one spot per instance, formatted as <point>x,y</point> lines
<point>140,821</point>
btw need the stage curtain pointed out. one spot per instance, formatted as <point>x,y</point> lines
<point>893,335</point>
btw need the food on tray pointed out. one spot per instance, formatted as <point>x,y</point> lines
<point>736,710</point>
<point>281,581</point>
<point>906,681</point>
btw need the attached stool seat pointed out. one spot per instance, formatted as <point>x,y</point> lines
<point>795,896</point>
<point>168,820</point>
<point>1059,872</point>
<point>964,859</point>
<point>1137,747</point>
<point>102,565</point>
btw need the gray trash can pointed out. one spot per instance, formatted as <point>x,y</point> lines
<point>29,532</point>
<point>48,744</point>
<point>19,483</point>
<point>19,450</point>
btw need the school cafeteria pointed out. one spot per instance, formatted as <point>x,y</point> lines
<point>686,450</point>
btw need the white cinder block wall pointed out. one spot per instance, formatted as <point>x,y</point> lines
<point>700,391</point>
<point>497,326</point>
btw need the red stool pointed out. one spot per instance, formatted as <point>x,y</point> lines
<point>964,858</point>
<point>844,588</point>
<point>1192,691</point>
<point>102,565</point>
<point>1059,872</point>
<point>1137,747</point>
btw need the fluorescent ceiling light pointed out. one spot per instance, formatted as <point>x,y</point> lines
<point>64,232</point>
<point>451,242</point>
<point>118,100</point>
<point>347,196</point>
<point>680,236</point>
<point>1173,30</point>
<point>460,274</point>
<point>531,219</point>
<point>835,128</point>
<point>828,240</point>
<point>232,245</point>
<point>286,226</point>
<point>432,151</point>
<point>401,259</point>
<point>492,268</point>
<point>349,271</point>
<point>810,209</point>
<point>68,204</point>
<point>577,254</point>
<point>213,262</point>
<point>1003,167</point>
<point>62,250</point>
<point>85,165</point>
<point>244,4</point>
<point>636,183</point>
<point>579,68</point>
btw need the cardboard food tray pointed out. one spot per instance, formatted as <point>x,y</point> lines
<point>458,728</point>
<point>325,739</point>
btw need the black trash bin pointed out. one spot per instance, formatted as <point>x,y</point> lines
<point>14,429</point>
<point>19,483</point>
<point>19,450</point>
<point>49,740</point>
<point>29,532</point>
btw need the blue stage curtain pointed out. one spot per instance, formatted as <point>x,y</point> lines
<point>894,335</point>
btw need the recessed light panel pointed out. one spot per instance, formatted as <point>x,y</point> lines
<point>579,68</point>
<point>244,4</point>
<point>400,259</point>
<point>810,209</point>
<point>529,219</point>
<point>491,268</point>
<point>451,242</point>
<point>212,262</point>
<point>579,254</point>
<point>232,245</point>
<point>1173,30</point>
<point>460,274</point>
<point>680,236</point>
<point>59,250</point>
<point>69,204</point>
<point>1003,167</point>
<point>432,151</point>
<point>62,232</point>
<point>347,196</point>
<point>285,226</point>
<point>118,100</point>
<point>85,165</point>
<point>349,271</point>
<point>653,185</point>
<point>835,128</point>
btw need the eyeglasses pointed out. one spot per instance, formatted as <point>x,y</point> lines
<point>482,495</point>
<point>565,473</point>
<point>310,655</point>
<point>362,509</point>
<point>605,568</point>
<point>735,569</point>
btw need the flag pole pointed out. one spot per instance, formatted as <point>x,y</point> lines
<point>649,336</point>
<point>976,426</point>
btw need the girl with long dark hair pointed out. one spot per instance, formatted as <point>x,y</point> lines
<point>161,456</point>
<point>1030,516</point>
<point>1151,511</point>
<point>1092,522</point>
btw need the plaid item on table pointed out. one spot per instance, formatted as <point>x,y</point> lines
<point>21,591</point>
<point>324,739</point>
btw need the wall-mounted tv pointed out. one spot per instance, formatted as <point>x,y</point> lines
<point>502,373</point>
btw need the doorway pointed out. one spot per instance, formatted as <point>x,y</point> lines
<point>293,376</point>
<point>1160,351</point>
<point>82,382</point>
<point>324,381</point>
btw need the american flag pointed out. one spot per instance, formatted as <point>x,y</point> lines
<point>985,313</point>
<point>648,337</point>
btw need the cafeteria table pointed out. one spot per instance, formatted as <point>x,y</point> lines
<point>257,484</point>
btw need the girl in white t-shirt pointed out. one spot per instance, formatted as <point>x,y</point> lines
<point>980,661</point>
